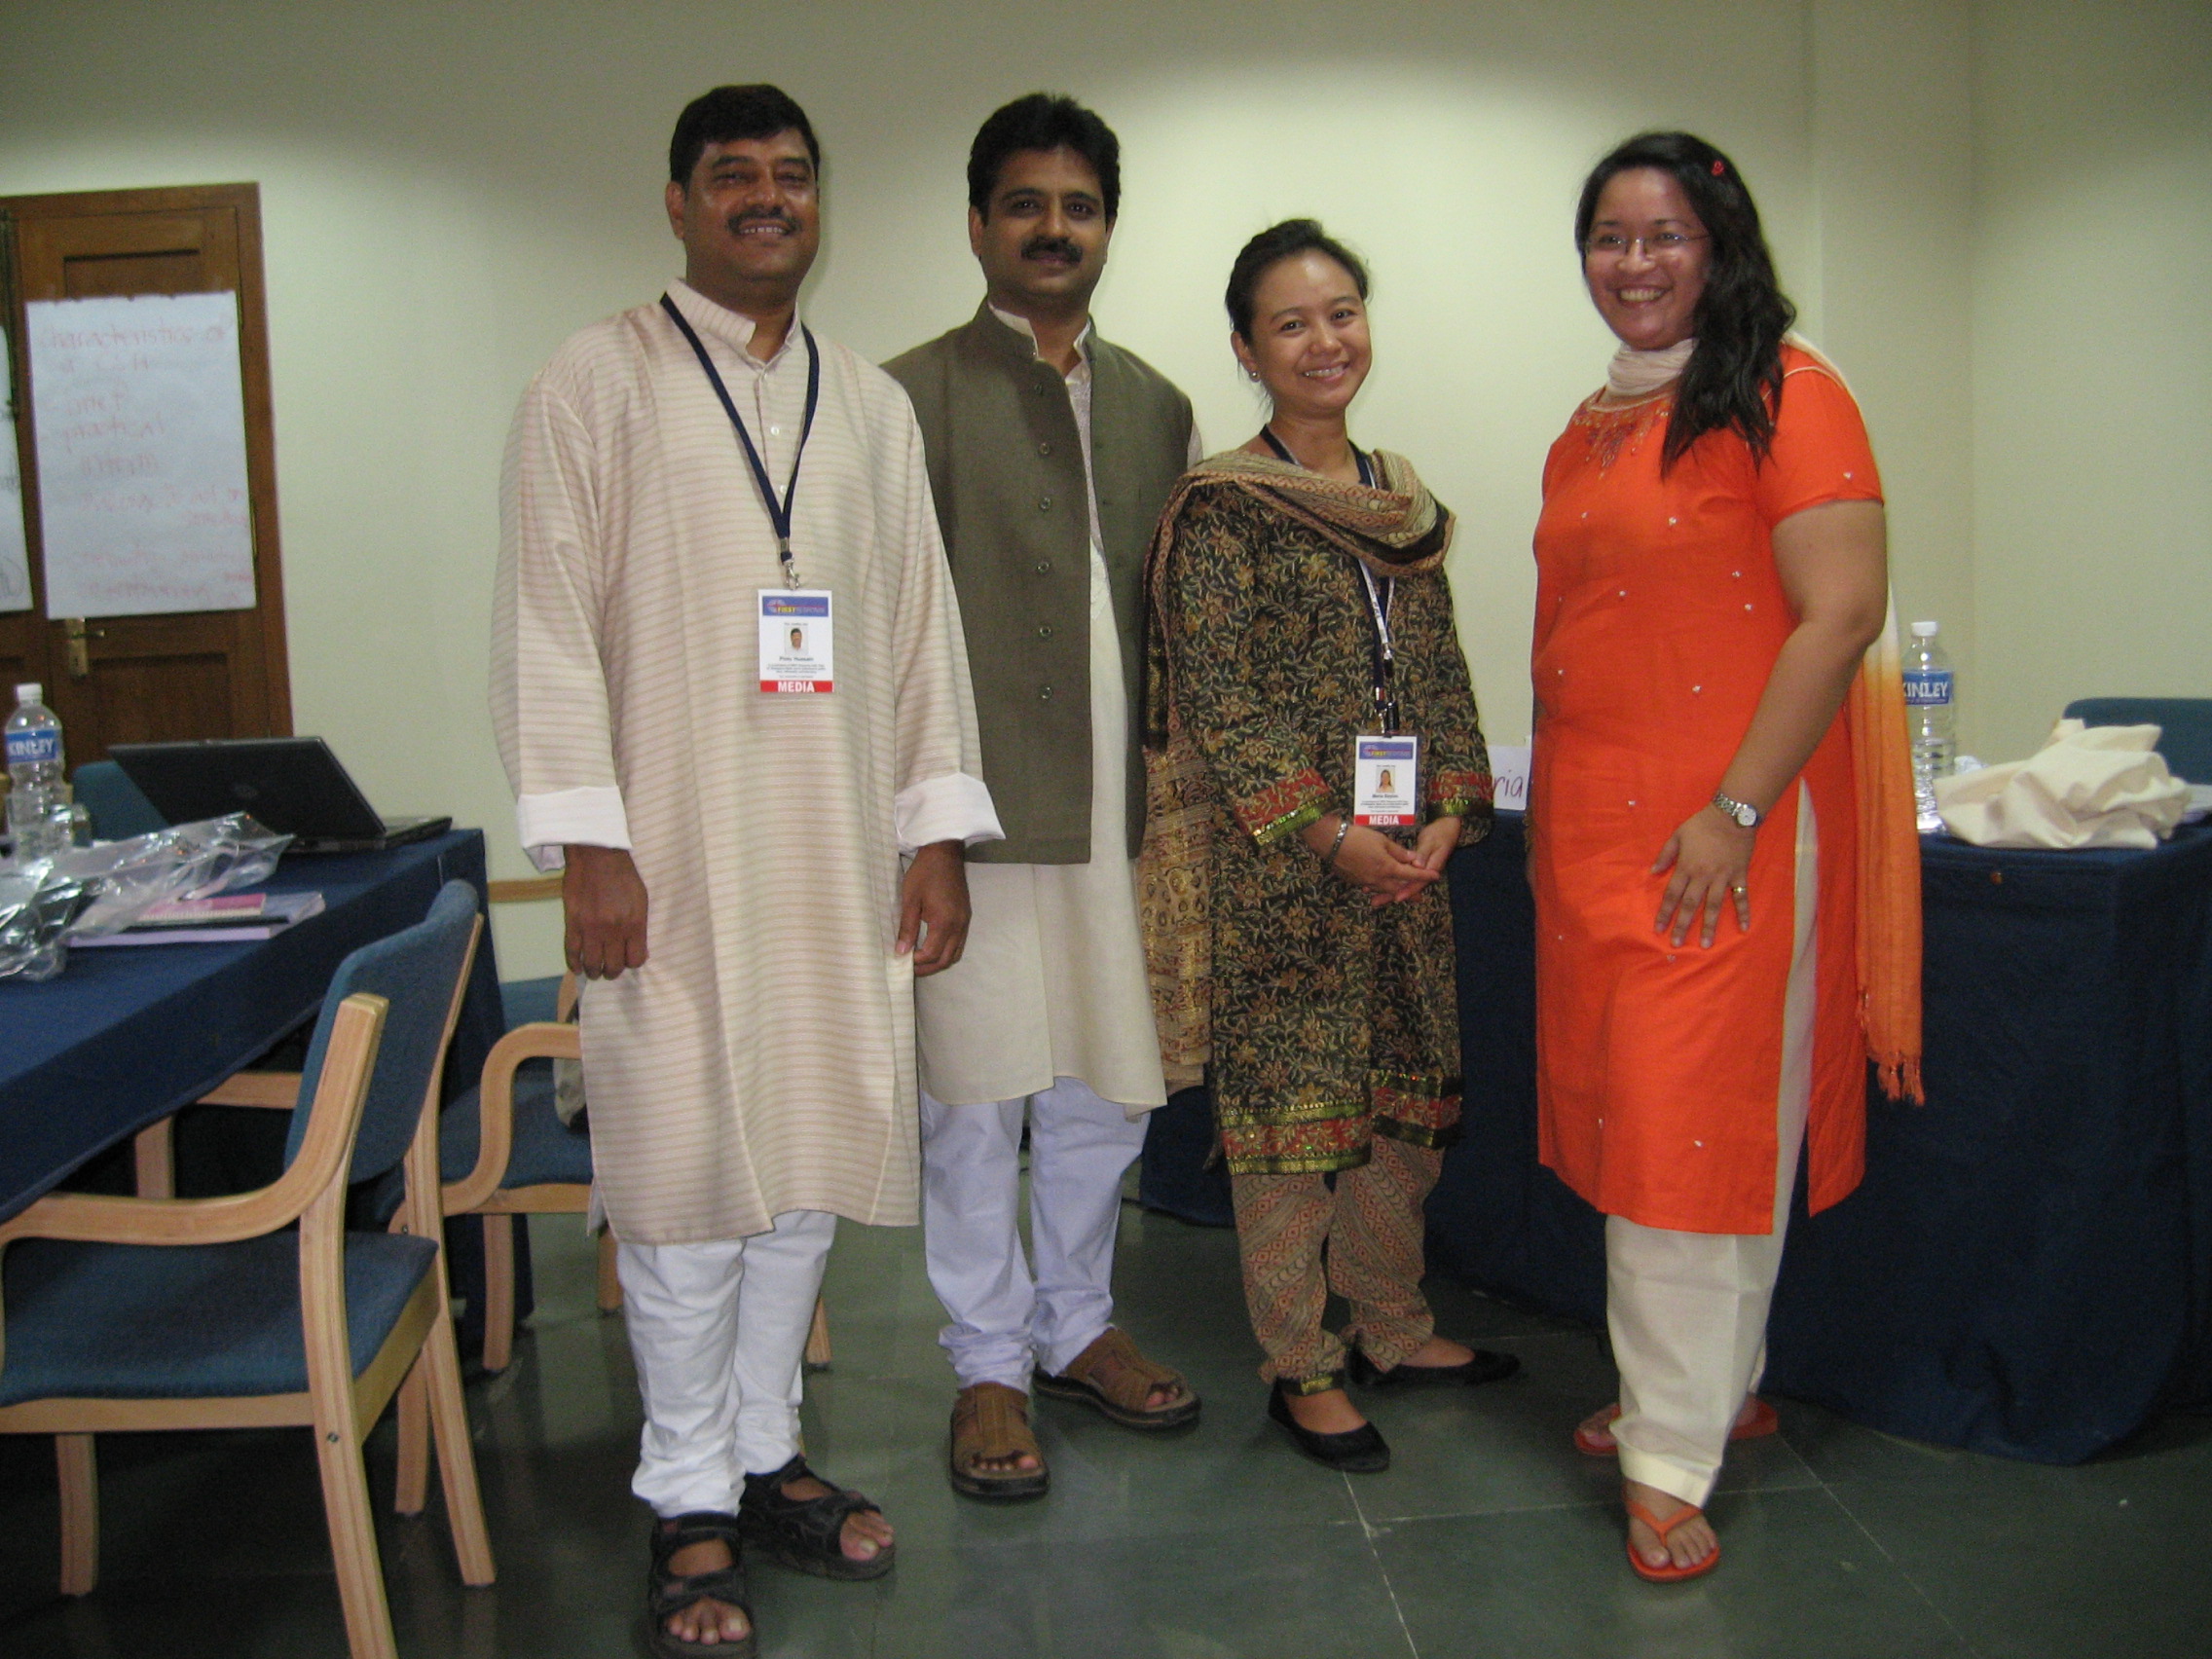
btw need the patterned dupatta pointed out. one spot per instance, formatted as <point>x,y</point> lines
<point>1396,529</point>
<point>1889,848</point>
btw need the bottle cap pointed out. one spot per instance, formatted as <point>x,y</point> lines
<point>33,692</point>
<point>1923,630</point>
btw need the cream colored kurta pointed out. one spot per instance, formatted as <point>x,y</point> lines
<point>1053,983</point>
<point>761,1062</point>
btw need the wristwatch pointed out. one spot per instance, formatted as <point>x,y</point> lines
<point>1742,811</point>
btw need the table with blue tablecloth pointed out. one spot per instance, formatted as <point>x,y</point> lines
<point>128,1034</point>
<point>2027,1268</point>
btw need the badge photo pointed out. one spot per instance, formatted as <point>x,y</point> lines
<point>796,655</point>
<point>1385,782</point>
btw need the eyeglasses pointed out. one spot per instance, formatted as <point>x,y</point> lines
<point>1611,245</point>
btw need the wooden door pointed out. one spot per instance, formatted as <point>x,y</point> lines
<point>189,674</point>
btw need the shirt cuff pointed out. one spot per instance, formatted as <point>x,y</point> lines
<point>953,807</point>
<point>588,817</point>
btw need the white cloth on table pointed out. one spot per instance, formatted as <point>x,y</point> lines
<point>719,1334</point>
<point>1006,1319</point>
<point>1687,1310</point>
<point>2086,787</point>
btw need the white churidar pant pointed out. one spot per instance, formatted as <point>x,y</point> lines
<point>719,1332</point>
<point>1005,1319</point>
<point>1687,1310</point>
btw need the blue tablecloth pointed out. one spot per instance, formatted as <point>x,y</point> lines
<point>2027,1268</point>
<point>128,1034</point>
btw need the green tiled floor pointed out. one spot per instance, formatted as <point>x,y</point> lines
<point>1488,1537</point>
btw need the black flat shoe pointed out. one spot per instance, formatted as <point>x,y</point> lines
<point>1362,1452</point>
<point>1483,1367</point>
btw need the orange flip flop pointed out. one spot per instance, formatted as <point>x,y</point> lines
<point>1670,1573</point>
<point>1599,1444</point>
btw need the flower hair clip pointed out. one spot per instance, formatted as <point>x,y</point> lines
<point>1719,167</point>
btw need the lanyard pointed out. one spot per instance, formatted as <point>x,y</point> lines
<point>779,511</point>
<point>1378,597</point>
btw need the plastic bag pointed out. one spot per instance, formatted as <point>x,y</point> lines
<point>88,891</point>
<point>37,905</point>
<point>186,860</point>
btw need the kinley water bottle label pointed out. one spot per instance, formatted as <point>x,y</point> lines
<point>1924,687</point>
<point>29,747</point>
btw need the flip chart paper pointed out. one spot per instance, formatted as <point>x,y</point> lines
<point>139,415</point>
<point>15,565</point>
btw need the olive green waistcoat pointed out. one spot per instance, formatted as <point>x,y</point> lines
<point>1006,467</point>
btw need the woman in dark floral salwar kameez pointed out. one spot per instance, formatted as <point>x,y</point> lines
<point>1300,938</point>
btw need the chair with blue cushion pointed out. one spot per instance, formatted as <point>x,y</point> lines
<point>2185,728</point>
<point>117,807</point>
<point>161,1313</point>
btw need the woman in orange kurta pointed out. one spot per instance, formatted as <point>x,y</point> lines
<point>1711,573</point>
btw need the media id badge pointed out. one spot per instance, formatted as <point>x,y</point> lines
<point>796,641</point>
<point>1385,782</point>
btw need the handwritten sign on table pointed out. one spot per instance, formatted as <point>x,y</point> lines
<point>140,415</point>
<point>1509,773</point>
<point>15,565</point>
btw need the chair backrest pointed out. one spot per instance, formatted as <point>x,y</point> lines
<point>2184,734</point>
<point>119,809</point>
<point>416,971</point>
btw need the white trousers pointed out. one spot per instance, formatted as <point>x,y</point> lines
<point>719,1332</point>
<point>1005,1319</point>
<point>1687,1310</point>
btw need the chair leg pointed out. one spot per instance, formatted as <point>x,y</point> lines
<point>609,1277</point>
<point>354,1541</point>
<point>818,1337</point>
<point>498,1291</point>
<point>414,1441</point>
<point>80,1512</point>
<point>153,1152</point>
<point>440,1367</point>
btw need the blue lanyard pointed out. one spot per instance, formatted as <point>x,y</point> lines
<point>779,511</point>
<point>1379,596</point>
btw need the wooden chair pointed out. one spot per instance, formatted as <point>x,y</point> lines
<point>159,1313</point>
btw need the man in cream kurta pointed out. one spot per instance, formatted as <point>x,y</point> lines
<point>749,1052</point>
<point>1051,454</point>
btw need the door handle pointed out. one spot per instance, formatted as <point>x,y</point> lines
<point>80,652</point>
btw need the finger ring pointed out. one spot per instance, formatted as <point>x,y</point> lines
<point>1739,890</point>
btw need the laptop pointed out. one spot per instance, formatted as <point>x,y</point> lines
<point>293,785</point>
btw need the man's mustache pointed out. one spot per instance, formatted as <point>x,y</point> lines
<point>761,216</point>
<point>1059,245</point>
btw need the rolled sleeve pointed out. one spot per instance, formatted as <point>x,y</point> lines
<point>951,807</point>
<point>592,817</point>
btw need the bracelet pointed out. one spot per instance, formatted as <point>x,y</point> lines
<point>1344,829</point>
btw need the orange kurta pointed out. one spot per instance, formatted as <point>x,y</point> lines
<point>1659,617</point>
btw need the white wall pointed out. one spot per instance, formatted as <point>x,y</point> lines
<point>2092,346</point>
<point>448,190</point>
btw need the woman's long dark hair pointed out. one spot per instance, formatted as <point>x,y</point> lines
<point>1734,377</point>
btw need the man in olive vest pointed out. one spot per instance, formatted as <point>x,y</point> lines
<point>1049,454</point>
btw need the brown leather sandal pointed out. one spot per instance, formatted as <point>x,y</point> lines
<point>992,1422</point>
<point>1114,1376</point>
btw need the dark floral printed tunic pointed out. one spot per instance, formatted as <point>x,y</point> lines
<point>1333,1020</point>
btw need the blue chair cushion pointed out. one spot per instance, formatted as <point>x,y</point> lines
<point>544,1148</point>
<point>527,1001</point>
<point>192,1321</point>
<point>2184,725</point>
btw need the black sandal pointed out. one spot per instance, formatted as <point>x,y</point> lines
<point>668,1593</point>
<point>807,1533</point>
<point>1483,1366</point>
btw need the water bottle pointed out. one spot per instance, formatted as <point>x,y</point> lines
<point>38,802</point>
<point>1931,715</point>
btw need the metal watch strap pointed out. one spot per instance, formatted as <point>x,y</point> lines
<point>1742,812</point>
